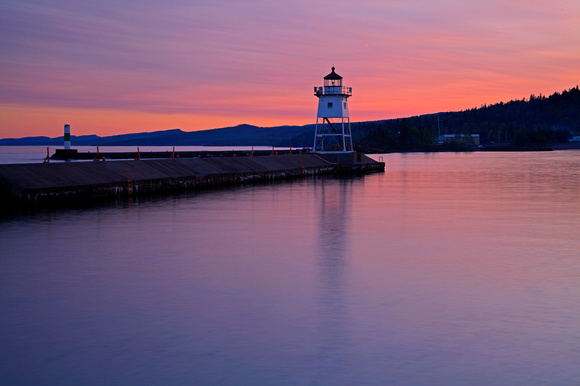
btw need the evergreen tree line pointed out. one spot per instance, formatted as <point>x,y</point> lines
<point>528,122</point>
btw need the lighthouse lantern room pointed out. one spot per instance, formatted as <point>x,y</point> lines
<point>333,134</point>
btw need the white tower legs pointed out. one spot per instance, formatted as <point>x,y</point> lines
<point>333,135</point>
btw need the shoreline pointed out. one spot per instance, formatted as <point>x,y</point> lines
<point>486,148</point>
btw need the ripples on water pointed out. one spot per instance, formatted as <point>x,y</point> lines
<point>447,269</point>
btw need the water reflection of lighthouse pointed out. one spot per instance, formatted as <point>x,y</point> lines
<point>335,198</point>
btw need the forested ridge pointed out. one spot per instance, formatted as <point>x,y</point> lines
<point>534,121</point>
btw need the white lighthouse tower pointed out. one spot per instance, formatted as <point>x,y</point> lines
<point>333,133</point>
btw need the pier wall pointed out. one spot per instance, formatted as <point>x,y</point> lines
<point>37,183</point>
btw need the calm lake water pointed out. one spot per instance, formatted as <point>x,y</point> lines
<point>448,269</point>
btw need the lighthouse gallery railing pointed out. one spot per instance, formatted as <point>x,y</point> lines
<point>333,90</point>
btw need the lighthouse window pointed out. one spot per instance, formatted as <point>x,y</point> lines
<point>345,105</point>
<point>329,105</point>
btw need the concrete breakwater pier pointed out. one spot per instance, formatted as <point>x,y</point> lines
<point>73,154</point>
<point>30,184</point>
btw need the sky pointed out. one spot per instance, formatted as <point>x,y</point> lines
<point>121,66</point>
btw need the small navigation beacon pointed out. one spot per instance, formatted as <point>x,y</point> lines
<point>67,137</point>
<point>333,134</point>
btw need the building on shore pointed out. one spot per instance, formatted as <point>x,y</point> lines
<point>460,139</point>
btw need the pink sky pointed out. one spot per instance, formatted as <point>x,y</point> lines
<point>112,67</point>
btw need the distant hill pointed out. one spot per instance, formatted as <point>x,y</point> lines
<point>241,135</point>
<point>536,121</point>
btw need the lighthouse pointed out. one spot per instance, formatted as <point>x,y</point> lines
<point>332,134</point>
